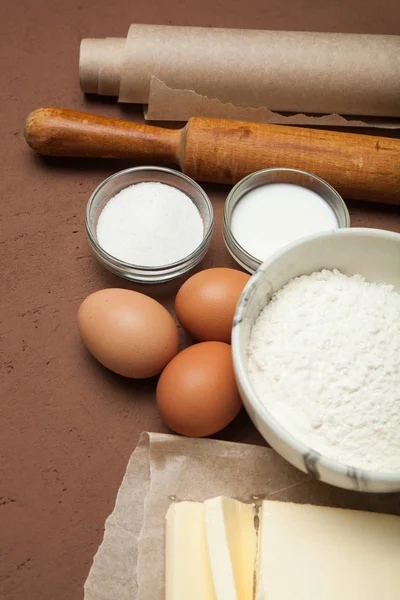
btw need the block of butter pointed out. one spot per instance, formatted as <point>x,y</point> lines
<point>187,566</point>
<point>231,544</point>
<point>210,550</point>
<point>303,552</point>
<point>315,552</point>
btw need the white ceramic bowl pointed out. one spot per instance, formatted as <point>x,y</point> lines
<point>373,253</point>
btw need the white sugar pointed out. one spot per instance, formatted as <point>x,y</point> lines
<point>274,215</point>
<point>150,224</point>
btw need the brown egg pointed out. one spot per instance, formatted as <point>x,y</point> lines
<point>206,303</point>
<point>129,333</point>
<point>197,393</point>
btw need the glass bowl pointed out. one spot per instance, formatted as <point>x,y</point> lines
<point>143,273</point>
<point>280,175</point>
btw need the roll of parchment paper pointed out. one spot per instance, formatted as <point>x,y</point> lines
<point>182,71</point>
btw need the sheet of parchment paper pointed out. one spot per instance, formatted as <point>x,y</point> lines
<point>129,564</point>
<point>323,73</point>
<point>168,104</point>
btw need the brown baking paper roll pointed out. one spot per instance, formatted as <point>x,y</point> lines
<point>100,65</point>
<point>295,72</point>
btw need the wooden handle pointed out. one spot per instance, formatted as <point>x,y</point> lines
<point>223,151</point>
<point>60,132</point>
<point>359,166</point>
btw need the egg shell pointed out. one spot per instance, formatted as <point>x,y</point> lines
<point>206,303</point>
<point>128,332</point>
<point>197,393</point>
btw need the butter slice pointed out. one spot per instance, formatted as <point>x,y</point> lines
<point>187,566</point>
<point>231,542</point>
<point>313,552</point>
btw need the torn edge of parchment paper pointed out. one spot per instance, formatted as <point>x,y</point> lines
<point>111,571</point>
<point>170,104</point>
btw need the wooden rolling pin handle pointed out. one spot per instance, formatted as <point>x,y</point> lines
<point>60,132</point>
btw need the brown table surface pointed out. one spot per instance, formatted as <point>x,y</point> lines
<point>68,426</point>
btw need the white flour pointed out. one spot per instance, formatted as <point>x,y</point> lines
<point>150,224</point>
<point>324,357</point>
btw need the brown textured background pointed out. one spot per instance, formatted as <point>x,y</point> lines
<point>67,425</point>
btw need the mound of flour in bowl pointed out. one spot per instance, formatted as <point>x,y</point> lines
<point>324,358</point>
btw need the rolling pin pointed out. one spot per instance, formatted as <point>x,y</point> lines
<point>224,151</point>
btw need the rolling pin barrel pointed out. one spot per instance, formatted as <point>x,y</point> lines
<point>222,151</point>
<point>361,167</point>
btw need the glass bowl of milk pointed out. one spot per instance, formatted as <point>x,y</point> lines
<point>272,208</point>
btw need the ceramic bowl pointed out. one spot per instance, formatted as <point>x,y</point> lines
<point>373,253</point>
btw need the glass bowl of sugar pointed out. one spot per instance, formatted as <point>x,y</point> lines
<point>149,224</point>
<point>272,208</point>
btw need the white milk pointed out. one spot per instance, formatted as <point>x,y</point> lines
<point>276,214</point>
